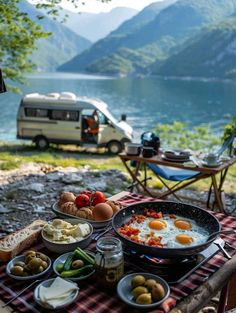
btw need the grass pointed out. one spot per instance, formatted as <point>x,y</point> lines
<point>12,156</point>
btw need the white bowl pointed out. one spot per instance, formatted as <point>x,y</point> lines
<point>22,258</point>
<point>47,283</point>
<point>124,290</point>
<point>62,258</point>
<point>67,247</point>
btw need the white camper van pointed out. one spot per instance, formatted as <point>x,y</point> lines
<point>64,118</point>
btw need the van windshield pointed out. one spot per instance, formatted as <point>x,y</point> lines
<point>109,116</point>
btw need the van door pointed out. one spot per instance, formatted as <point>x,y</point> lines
<point>107,132</point>
<point>67,127</point>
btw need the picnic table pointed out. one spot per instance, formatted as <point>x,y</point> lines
<point>187,296</point>
<point>216,185</point>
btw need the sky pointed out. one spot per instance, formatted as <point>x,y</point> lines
<point>95,6</point>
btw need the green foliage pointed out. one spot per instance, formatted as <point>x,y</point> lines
<point>9,165</point>
<point>18,35</point>
<point>53,8</point>
<point>178,135</point>
<point>124,61</point>
<point>230,129</point>
<point>211,50</point>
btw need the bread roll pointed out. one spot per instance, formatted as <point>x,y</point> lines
<point>114,205</point>
<point>66,197</point>
<point>69,208</point>
<point>20,240</point>
<point>85,213</point>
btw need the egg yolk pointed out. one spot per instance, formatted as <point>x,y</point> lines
<point>181,224</point>
<point>157,224</point>
<point>184,239</point>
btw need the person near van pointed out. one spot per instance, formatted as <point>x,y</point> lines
<point>92,123</point>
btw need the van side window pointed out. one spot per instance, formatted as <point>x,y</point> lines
<point>61,115</point>
<point>31,112</point>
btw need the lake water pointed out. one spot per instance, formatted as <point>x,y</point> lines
<point>146,101</point>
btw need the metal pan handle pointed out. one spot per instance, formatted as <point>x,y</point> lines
<point>229,231</point>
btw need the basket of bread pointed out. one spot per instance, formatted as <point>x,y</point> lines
<point>87,205</point>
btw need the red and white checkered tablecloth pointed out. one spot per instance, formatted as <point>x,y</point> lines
<point>93,299</point>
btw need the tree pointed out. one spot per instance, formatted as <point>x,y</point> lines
<point>19,35</point>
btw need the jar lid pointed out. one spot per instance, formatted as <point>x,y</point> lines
<point>109,244</point>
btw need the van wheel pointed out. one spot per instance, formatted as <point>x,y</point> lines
<point>41,143</point>
<point>114,147</point>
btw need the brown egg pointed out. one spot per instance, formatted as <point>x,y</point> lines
<point>102,212</point>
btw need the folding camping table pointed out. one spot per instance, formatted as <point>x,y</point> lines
<point>216,185</point>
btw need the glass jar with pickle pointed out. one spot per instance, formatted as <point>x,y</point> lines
<point>109,261</point>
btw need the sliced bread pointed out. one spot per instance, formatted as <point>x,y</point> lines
<point>13,244</point>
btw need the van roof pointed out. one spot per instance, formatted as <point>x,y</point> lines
<point>63,99</point>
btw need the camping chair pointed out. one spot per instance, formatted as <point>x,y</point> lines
<point>173,174</point>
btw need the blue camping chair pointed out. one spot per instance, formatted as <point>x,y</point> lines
<point>175,175</point>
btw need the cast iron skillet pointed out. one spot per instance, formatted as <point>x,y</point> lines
<point>201,217</point>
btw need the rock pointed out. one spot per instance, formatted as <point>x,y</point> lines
<point>100,185</point>
<point>38,187</point>
<point>71,188</point>
<point>72,178</point>
<point>54,176</point>
<point>4,209</point>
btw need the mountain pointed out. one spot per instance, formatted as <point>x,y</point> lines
<point>116,39</point>
<point>97,26</point>
<point>154,40</point>
<point>145,16</point>
<point>213,52</point>
<point>60,47</point>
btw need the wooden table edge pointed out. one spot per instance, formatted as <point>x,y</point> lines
<point>194,302</point>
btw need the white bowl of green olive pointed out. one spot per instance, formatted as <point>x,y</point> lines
<point>143,290</point>
<point>30,265</point>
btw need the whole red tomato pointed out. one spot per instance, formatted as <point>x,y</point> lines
<point>98,197</point>
<point>82,200</point>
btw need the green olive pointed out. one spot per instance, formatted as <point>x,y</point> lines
<point>139,290</point>
<point>41,256</point>
<point>17,270</point>
<point>158,292</point>
<point>149,283</point>
<point>44,264</point>
<point>30,252</point>
<point>144,298</point>
<point>19,263</point>
<point>40,269</point>
<point>35,263</point>
<point>29,257</point>
<point>77,264</point>
<point>137,280</point>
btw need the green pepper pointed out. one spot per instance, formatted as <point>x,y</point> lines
<point>78,272</point>
<point>80,254</point>
<point>68,262</point>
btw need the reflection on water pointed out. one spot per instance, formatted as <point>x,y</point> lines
<point>146,101</point>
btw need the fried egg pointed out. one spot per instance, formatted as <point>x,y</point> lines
<point>174,232</point>
<point>182,224</point>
